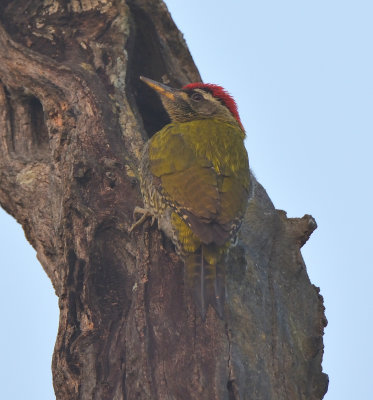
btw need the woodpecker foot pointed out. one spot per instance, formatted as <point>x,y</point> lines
<point>145,214</point>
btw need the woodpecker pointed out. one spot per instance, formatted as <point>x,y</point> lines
<point>195,180</point>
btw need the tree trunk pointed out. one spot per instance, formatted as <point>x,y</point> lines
<point>73,119</point>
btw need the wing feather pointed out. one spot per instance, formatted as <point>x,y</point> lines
<point>203,174</point>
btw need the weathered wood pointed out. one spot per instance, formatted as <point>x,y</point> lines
<point>73,120</point>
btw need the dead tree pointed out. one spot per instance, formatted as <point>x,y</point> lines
<point>73,119</point>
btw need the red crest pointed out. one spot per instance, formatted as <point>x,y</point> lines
<point>219,93</point>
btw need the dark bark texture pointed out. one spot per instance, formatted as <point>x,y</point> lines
<point>73,120</point>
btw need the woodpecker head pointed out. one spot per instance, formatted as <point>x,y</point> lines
<point>196,101</point>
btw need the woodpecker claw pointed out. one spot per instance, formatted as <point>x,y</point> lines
<point>145,214</point>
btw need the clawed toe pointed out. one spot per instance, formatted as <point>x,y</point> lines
<point>153,220</point>
<point>145,213</point>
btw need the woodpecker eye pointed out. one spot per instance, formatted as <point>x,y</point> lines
<point>196,97</point>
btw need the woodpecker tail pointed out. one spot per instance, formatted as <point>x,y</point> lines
<point>206,282</point>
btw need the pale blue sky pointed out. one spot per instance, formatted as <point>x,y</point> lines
<point>302,75</point>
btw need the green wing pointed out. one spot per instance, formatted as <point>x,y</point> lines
<point>203,173</point>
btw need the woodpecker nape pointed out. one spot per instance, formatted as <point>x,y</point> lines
<point>195,180</point>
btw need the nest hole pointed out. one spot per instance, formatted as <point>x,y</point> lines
<point>145,58</point>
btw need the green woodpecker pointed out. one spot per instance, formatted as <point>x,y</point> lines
<point>195,181</point>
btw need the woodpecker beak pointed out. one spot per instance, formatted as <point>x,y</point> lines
<point>162,89</point>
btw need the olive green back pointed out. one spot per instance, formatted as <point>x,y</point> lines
<point>203,172</point>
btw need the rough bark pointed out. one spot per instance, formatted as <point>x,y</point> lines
<point>73,120</point>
